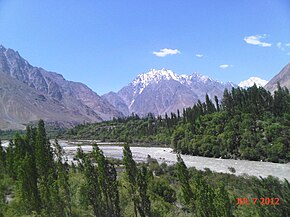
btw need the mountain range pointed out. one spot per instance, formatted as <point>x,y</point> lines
<point>163,91</point>
<point>29,93</point>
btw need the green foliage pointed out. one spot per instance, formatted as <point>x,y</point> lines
<point>94,187</point>
<point>138,184</point>
<point>200,197</point>
<point>248,124</point>
<point>163,189</point>
<point>38,178</point>
<point>100,185</point>
<point>183,177</point>
<point>9,134</point>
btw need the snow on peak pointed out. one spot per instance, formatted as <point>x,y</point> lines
<point>201,77</point>
<point>251,81</point>
<point>155,76</point>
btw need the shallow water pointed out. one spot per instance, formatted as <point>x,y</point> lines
<point>253,168</point>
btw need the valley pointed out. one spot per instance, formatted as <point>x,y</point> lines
<point>169,140</point>
<point>144,108</point>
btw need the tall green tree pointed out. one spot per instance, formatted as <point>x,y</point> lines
<point>210,108</point>
<point>144,206</point>
<point>63,194</point>
<point>2,161</point>
<point>45,168</point>
<point>138,184</point>
<point>184,180</point>
<point>131,172</point>
<point>107,177</point>
<point>92,187</point>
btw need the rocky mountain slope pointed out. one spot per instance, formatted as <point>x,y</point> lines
<point>29,93</point>
<point>251,81</point>
<point>163,91</point>
<point>283,77</point>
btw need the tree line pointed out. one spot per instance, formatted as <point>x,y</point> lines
<point>247,124</point>
<point>40,181</point>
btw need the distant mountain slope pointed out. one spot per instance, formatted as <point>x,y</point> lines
<point>21,104</point>
<point>163,91</point>
<point>117,102</point>
<point>283,77</point>
<point>251,81</point>
<point>45,95</point>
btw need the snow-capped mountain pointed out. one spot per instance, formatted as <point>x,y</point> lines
<point>251,81</point>
<point>155,76</point>
<point>163,91</point>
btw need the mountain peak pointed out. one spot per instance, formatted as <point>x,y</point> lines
<point>156,74</point>
<point>161,91</point>
<point>200,77</point>
<point>153,76</point>
<point>2,48</point>
<point>283,78</point>
<point>251,81</point>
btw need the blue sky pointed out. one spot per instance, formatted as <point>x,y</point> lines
<point>107,43</point>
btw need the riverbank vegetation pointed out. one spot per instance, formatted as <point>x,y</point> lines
<point>37,180</point>
<point>247,124</point>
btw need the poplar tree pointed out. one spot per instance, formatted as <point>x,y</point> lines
<point>27,182</point>
<point>202,198</point>
<point>94,191</point>
<point>102,186</point>
<point>44,164</point>
<point>107,178</point>
<point>138,182</point>
<point>142,182</point>
<point>217,103</point>
<point>2,173</point>
<point>22,154</point>
<point>228,102</point>
<point>131,172</point>
<point>2,161</point>
<point>63,193</point>
<point>183,177</point>
<point>209,105</point>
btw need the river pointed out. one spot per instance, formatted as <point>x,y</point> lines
<point>242,167</point>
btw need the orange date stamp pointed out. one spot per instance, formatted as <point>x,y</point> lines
<point>262,201</point>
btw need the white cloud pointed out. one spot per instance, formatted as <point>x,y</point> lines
<point>280,46</point>
<point>199,55</point>
<point>166,51</point>
<point>287,45</point>
<point>224,66</point>
<point>256,40</point>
